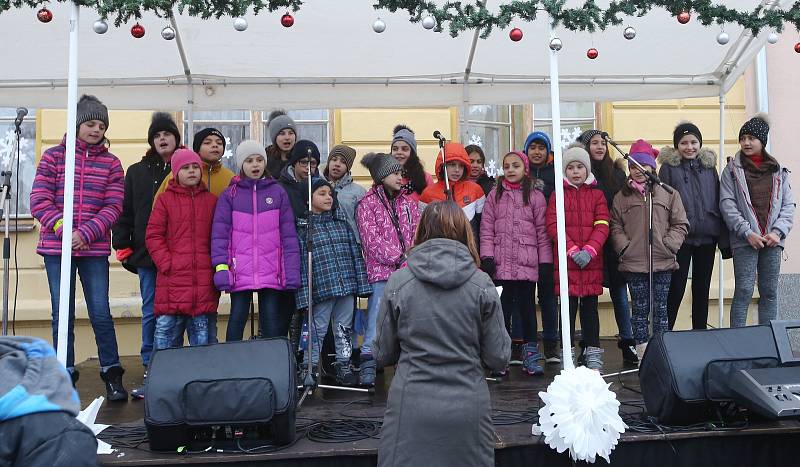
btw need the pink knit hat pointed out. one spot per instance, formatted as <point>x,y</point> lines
<point>522,156</point>
<point>181,158</point>
<point>644,153</point>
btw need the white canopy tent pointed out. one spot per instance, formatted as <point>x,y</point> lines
<point>332,58</point>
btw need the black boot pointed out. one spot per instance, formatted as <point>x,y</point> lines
<point>628,347</point>
<point>113,379</point>
<point>345,376</point>
<point>74,375</point>
<point>367,371</point>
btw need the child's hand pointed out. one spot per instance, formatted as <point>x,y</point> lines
<point>488,266</point>
<point>582,258</point>
<point>756,241</point>
<point>222,280</point>
<point>772,239</point>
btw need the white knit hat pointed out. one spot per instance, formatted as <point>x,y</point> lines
<point>249,148</point>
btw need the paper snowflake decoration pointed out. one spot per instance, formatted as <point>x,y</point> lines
<point>570,135</point>
<point>491,168</point>
<point>476,140</point>
<point>8,151</point>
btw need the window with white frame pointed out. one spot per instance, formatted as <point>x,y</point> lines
<point>23,169</point>
<point>233,124</point>
<point>311,124</point>
<point>489,126</point>
<point>576,117</point>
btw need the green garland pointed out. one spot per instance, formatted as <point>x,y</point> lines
<point>461,16</point>
<point>124,10</point>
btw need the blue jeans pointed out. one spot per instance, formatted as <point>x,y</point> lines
<point>147,288</point>
<point>93,271</point>
<point>272,321</point>
<point>622,310</point>
<point>373,305</point>
<point>170,328</point>
<point>339,311</point>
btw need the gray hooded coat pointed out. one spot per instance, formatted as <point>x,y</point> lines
<point>440,322</point>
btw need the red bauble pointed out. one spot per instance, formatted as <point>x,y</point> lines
<point>592,53</point>
<point>515,34</point>
<point>797,47</point>
<point>137,31</point>
<point>44,15</point>
<point>287,20</point>
<point>684,17</point>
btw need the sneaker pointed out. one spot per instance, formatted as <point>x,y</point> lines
<point>628,347</point>
<point>531,357</point>
<point>593,358</point>
<point>501,373</point>
<point>113,379</point>
<point>138,393</point>
<point>367,371</point>
<point>345,376</point>
<point>551,352</point>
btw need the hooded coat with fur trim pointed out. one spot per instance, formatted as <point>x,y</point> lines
<point>697,181</point>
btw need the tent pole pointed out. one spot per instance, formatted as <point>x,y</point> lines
<point>555,106</point>
<point>464,130</point>
<point>721,270</point>
<point>189,86</point>
<point>69,186</point>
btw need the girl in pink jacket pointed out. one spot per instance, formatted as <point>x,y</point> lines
<point>514,243</point>
<point>387,219</point>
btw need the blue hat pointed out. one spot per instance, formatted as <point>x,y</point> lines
<point>538,136</point>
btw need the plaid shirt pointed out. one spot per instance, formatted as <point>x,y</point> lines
<point>339,268</point>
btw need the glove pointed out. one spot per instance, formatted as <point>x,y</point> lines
<point>488,266</point>
<point>222,280</point>
<point>582,258</point>
<point>124,254</point>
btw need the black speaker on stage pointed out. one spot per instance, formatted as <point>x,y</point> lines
<point>247,385</point>
<point>683,373</point>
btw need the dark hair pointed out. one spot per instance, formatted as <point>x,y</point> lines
<point>327,163</point>
<point>413,171</point>
<point>464,174</point>
<point>604,170</point>
<point>444,219</point>
<point>526,183</point>
<point>475,148</point>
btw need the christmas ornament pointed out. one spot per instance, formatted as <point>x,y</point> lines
<point>723,38</point>
<point>44,15</point>
<point>797,47</point>
<point>100,26</point>
<point>592,53</point>
<point>168,33</point>
<point>556,44</point>
<point>428,22</point>
<point>515,34</point>
<point>379,26</point>
<point>684,17</point>
<point>137,31</point>
<point>772,38</point>
<point>629,33</point>
<point>240,24</point>
<point>287,20</point>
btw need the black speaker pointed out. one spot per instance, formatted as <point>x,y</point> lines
<point>247,385</point>
<point>683,373</point>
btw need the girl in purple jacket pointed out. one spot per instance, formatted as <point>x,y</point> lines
<point>254,245</point>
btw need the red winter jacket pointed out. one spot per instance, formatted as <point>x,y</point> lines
<point>179,241</point>
<point>586,219</point>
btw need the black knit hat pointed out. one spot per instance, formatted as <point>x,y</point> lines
<point>683,129</point>
<point>162,121</point>
<point>303,148</point>
<point>758,127</point>
<point>205,133</point>
<point>380,165</point>
<point>90,108</point>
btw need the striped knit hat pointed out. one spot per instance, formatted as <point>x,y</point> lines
<point>345,152</point>
<point>90,108</point>
<point>380,165</point>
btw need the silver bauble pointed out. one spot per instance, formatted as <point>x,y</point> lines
<point>723,38</point>
<point>556,44</point>
<point>168,33</point>
<point>379,26</point>
<point>429,22</point>
<point>629,33</point>
<point>240,24</point>
<point>100,26</point>
<point>772,38</point>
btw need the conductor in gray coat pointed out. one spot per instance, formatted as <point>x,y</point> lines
<point>441,323</point>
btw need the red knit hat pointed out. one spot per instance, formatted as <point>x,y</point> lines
<point>522,157</point>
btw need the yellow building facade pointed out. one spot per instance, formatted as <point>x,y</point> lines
<point>366,130</point>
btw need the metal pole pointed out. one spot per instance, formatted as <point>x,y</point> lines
<point>559,194</point>
<point>189,86</point>
<point>721,271</point>
<point>69,185</point>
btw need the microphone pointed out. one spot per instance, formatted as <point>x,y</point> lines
<point>21,113</point>
<point>604,135</point>
<point>438,135</point>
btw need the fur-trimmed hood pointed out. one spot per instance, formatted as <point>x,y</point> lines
<point>670,156</point>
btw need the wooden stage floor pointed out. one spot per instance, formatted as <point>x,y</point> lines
<point>515,402</point>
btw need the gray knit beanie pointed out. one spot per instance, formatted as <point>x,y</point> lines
<point>90,108</point>
<point>380,165</point>
<point>404,133</point>
<point>249,148</point>
<point>278,120</point>
<point>345,152</point>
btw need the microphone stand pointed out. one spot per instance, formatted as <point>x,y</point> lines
<point>447,193</point>
<point>652,181</point>
<point>309,381</point>
<point>5,212</point>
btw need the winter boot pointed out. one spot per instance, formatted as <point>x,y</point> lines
<point>345,376</point>
<point>640,348</point>
<point>113,379</point>
<point>73,376</point>
<point>579,359</point>
<point>367,371</point>
<point>516,352</point>
<point>628,347</point>
<point>138,393</point>
<point>530,359</point>
<point>593,358</point>
<point>551,351</point>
